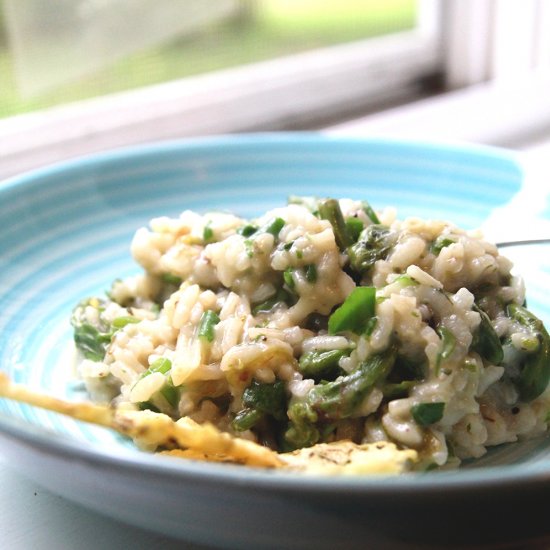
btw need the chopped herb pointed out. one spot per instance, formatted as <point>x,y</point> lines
<point>247,230</point>
<point>168,391</point>
<point>274,227</point>
<point>355,313</point>
<point>91,341</point>
<point>288,278</point>
<point>288,246</point>
<point>299,254</point>
<point>440,243</point>
<point>448,344</point>
<point>207,324</point>
<point>162,365</point>
<point>311,273</point>
<point>425,414</point>
<point>249,247</point>
<point>207,233</point>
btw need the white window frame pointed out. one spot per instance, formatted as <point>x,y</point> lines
<point>300,91</point>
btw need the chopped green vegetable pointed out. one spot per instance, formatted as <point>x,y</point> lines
<point>397,390</point>
<point>207,233</point>
<point>288,278</point>
<point>168,391</point>
<point>302,431</point>
<point>274,227</point>
<point>246,419</point>
<point>339,399</point>
<point>91,341</point>
<point>260,400</point>
<point>355,313</point>
<point>375,243</point>
<point>288,246</point>
<point>425,414</point>
<point>247,230</point>
<point>370,212</point>
<point>249,247</point>
<point>485,340</point>
<point>171,279</point>
<point>354,226</point>
<point>121,322</point>
<point>448,344</point>
<point>440,243</point>
<point>267,398</point>
<point>329,209</point>
<point>311,273</point>
<point>535,371</point>
<point>406,368</point>
<point>322,365</point>
<point>207,324</point>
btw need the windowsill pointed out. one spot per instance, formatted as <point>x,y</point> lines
<point>506,114</point>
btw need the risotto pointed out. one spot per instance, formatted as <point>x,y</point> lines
<point>318,322</point>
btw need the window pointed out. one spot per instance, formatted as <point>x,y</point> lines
<point>260,65</point>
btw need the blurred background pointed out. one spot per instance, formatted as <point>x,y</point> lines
<point>79,76</point>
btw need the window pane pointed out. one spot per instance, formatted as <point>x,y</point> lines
<point>254,30</point>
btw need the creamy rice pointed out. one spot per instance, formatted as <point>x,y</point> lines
<point>320,321</point>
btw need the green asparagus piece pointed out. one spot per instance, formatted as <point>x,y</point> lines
<point>302,430</point>
<point>340,399</point>
<point>260,400</point>
<point>486,341</point>
<point>322,365</point>
<point>535,372</point>
<point>370,212</point>
<point>246,419</point>
<point>425,414</point>
<point>355,313</point>
<point>354,227</point>
<point>329,209</point>
<point>374,243</point>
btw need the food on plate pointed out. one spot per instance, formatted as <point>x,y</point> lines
<point>318,323</point>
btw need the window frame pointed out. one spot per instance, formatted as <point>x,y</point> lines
<point>301,91</point>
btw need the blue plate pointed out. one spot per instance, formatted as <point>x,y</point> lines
<point>64,235</point>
